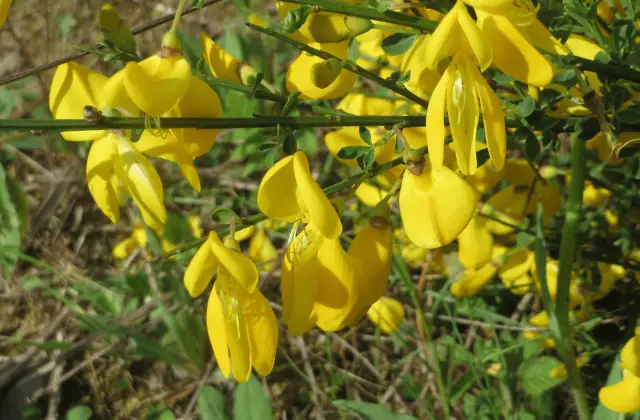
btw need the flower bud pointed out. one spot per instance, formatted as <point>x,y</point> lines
<point>170,44</point>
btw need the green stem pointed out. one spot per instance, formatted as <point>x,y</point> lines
<point>617,70</point>
<point>77,55</point>
<point>566,260</point>
<point>370,13</point>
<point>349,65</point>
<point>330,190</point>
<point>176,18</point>
<point>294,122</point>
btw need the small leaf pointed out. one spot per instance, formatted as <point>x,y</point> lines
<point>211,404</point>
<point>532,148</point>
<point>225,216</point>
<point>250,402</point>
<point>289,145</point>
<point>526,107</point>
<point>535,377</point>
<point>398,43</point>
<point>354,50</point>
<point>365,135</point>
<point>369,411</point>
<point>115,31</point>
<point>629,116</point>
<point>197,4</point>
<point>79,412</point>
<point>352,152</point>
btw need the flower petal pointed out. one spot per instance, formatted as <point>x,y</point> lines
<point>201,269</point>
<point>200,101</point>
<point>475,244</point>
<point>479,46</point>
<point>141,180</point>
<point>239,267</point>
<point>623,397</point>
<point>167,147</point>
<point>630,356</point>
<point>277,192</point>
<point>262,250</point>
<point>435,120</point>
<point>217,332</point>
<point>435,206</point>
<point>513,54</point>
<point>262,329</point>
<point>317,205</point>
<point>222,64</point>
<point>387,313</point>
<point>493,120</point>
<point>299,80</point>
<point>72,88</point>
<point>100,172</point>
<point>157,84</point>
<point>298,292</point>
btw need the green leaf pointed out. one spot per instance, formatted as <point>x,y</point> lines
<point>532,148</point>
<point>365,135</point>
<point>354,49</point>
<point>79,412</point>
<point>225,216</point>
<point>211,404</point>
<point>152,349</point>
<point>369,411</point>
<point>398,43</point>
<point>535,377</point>
<point>629,116</point>
<point>197,4</point>
<point>352,152</point>
<point>9,226</point>
<point>526,107</point>
<point>250,402</point>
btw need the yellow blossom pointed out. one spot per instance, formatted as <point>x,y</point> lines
<point>241,324</point>
<point>386,313</point>
<point>624,396</point>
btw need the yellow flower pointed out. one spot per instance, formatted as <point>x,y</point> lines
<point>225,66</point>
<point>387,314</point>
<point>514,32</point>
<point>369,194</point>
<point>464,93</point>
<point>475,244</point>
<point>422,78</point>
<point>458,34</point>
<point>561,371</point>
<point>436,205</point>
<point>552,267</point>
<point>299,80</point>
<point>514,272</point>
<point>473,280</point>
<point>624,396</point>
<point>349,282</point>
<point>242,326</point>
<point>600,145</point>
<point>372,55</point>
<point>262,250</point>
<point>289,193</point>
<point>155,84</point>
<point>540,320</point>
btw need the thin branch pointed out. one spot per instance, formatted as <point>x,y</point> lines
<point>75,56</point>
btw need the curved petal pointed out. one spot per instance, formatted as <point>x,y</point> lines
<point>463,109</point>
<point>440,46</point>
<point>373,245</point>
<point>361,104</point>
<point>336,285</point>
<point>480,48</point>
<point>262,329</point>
<point>316,204</point>
<point>325,27</point>
<point>4,11</point>
<point>473,280</point>
<point>299,279</point>
<point>141,180</point>
<point>630,356</point>
<point>222,64</point>
<point>369,194</point>
<point>74,86</point>
<point>299,80</point>
<point>387,313</point>
<point>201,269</point>
<point>517,264</point>
<point>519,285</point>
<point>262,250</point>
<point>623,397</point>
<point>493,120</point>
<point>114,95</point>
<point>435,206</point>
<point>167,147</point>
<point>436,131</point>
<point>475,244</point>
<point>157,84</point>
<point>343,137</point>
<point>413,61</point>
<point>217,332</point>
<point>200,101</point>
<point>239,267</point>
<point>100,172</point>
<point>513,54</point>
<point>277,192</point>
